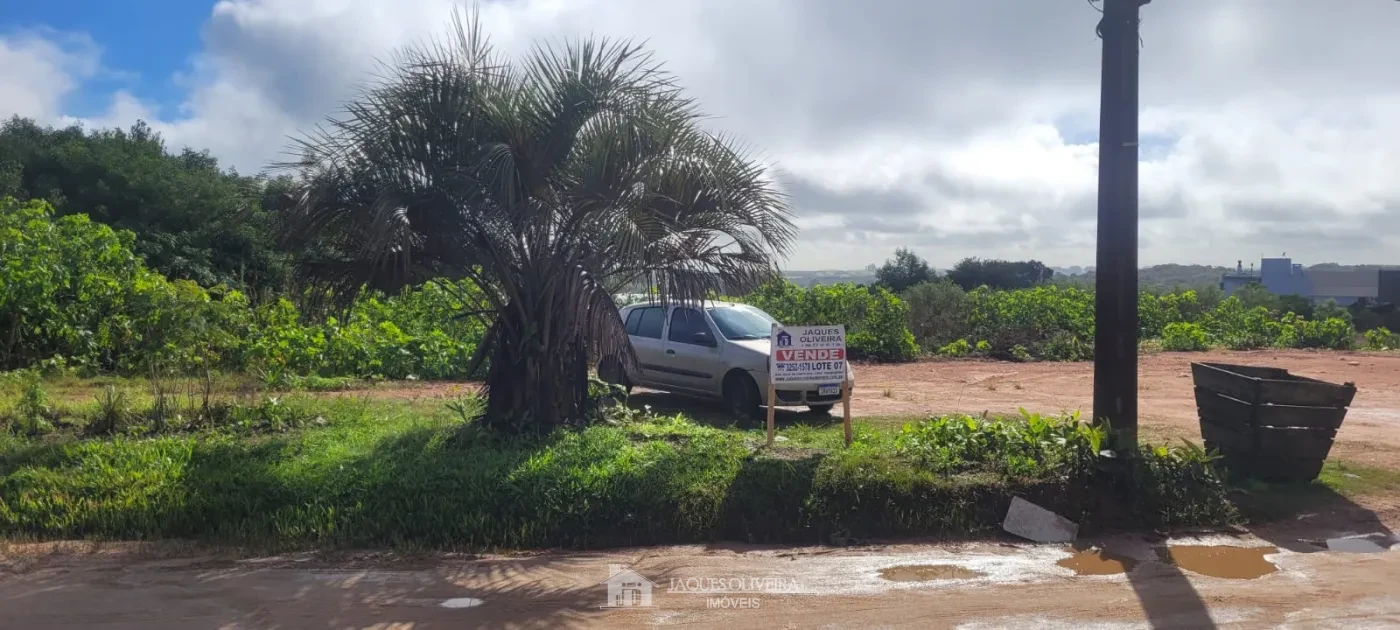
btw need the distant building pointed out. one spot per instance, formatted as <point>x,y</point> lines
<point>1281,277</point>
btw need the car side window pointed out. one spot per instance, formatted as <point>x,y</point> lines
<point>634,317</point>
<point>685,322</point>
<point>649,324</point>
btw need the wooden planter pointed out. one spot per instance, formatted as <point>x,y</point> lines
<point>1266,422</point>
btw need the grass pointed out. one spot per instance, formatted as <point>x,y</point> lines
<point>1351,480</point>
<point>1338,488</point>
<point>369,473</point>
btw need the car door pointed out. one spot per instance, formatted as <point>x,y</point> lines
<point>692,358</point>
<point>644,328</point>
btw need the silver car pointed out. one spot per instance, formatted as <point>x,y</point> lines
<point>717,351</point>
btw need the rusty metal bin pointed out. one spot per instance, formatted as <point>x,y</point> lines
<point>1267,423</point>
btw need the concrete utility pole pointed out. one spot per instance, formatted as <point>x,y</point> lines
<point>1116,284</point>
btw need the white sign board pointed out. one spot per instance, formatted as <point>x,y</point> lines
<point>807,354</point>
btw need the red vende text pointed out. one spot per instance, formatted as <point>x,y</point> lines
<point>835,354</point>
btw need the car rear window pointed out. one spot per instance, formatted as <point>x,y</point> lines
<point>650,323</point>
<point>634,317</point>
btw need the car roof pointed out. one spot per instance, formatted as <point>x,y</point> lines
<point>707,303</point>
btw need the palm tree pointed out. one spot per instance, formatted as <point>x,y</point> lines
<point>544,183</point>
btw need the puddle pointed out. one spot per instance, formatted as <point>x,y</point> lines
<point>462,602</point>
<point>1355,545</point>
<point>1236,563</point>
<point>1097,562</point>
<point>928,572</point>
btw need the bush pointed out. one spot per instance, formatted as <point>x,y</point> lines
<point>1333,334</point>
<point>1382,339</point>
<point>1184,337</point>
<point>1238,327</point>
<point>74,289</point>
<point>1034,446</point>
<point>876,320</point>
<point>1031,317</point>
<point>938,313</point>
<point>75,292</point>
<point>1064,346</point>
<point>1155,311</point>
<point>959,348</point>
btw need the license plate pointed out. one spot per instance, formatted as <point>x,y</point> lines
<point>828,390</point>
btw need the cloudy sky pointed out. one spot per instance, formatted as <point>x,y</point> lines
<point>953,127</point>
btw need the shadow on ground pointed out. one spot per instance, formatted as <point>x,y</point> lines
<point>83,591</point>
<point>714,414</point>
<point>1301,517</point>
<point>1298,517</point>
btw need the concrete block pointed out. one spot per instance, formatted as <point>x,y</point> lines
<point>1032,522</point>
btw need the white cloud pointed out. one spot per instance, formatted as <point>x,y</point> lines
<point>956,128</point>
<point>39,68</point>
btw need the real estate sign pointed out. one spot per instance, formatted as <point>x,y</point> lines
<point>807,354</point>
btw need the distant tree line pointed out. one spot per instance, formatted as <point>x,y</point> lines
<point>907,269</point>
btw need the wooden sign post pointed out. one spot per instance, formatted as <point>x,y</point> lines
<point>846,408</point>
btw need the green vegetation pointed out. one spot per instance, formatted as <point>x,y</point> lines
<point>1184,337</point>
<point>190,220</point>
<point>299,471</point>
<point>1382,339</point>
<point>938,313</point>
<point>1333,491</point>
<point>77,296</point>
<point>1045,321</point>
<point>1053,322</point>
<point>876,320</point>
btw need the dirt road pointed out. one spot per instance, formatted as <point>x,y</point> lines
<point>985,585</point>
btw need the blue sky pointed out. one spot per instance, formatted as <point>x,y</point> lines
<point>145,44</point>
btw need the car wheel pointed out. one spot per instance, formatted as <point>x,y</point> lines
<point>821,410</point>
<point>741,396</point>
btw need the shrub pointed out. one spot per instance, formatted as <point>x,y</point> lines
<point>938,313</point>
<point>1030,317</point>
<point>1254,295</point>
<point>876,320</point>
<point>1237,327</point>
<point>1180,485</point>
<point>33,405</point>
<point>1064,346</point>
<point>1031,446</point>
<point>959,348</point>
<point>1334,334</point>
<point>1184,337</point>
<point>1329,309</point>
<point>1155,311</point>
<point>1382,339</point>
<point>113,412</point>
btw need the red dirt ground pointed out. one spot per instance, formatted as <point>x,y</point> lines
<point>1370,435</point>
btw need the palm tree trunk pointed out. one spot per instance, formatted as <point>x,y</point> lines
<point>536,382</point>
